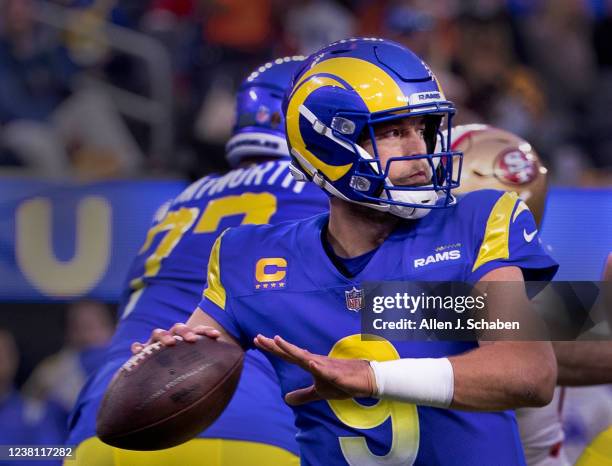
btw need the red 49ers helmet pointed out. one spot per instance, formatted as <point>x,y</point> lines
<point>497,159</point>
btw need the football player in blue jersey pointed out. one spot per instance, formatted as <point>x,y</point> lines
<point>362,119</point>
<point>166,279</point>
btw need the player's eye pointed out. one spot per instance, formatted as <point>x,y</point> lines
<point>390,133</point>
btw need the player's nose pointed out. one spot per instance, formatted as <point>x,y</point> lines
<point>412,143</point>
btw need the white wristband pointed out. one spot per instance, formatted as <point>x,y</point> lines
<point>427,382</point>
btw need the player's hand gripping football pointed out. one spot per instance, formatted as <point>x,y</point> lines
<point>179,330</point>
<point>334,379</point>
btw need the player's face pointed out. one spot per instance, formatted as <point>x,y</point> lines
<point>403,137</point>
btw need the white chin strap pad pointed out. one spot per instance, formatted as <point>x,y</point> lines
<point>426,198</point>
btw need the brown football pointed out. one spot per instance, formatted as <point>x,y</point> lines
<point>166,395</point>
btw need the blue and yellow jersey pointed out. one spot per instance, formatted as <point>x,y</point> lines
<point>165,283</point>
<point>278,280</point>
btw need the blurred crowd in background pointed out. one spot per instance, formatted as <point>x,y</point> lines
<point>99,89</point>
<point>123,88</point>
<point>47,351</point>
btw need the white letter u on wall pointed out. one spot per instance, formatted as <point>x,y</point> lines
<point>34,247</point>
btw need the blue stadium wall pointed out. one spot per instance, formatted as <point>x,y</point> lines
<point>61,242</point>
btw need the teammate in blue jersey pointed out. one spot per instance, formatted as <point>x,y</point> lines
<point>166,279</point>
<point>362,119</point>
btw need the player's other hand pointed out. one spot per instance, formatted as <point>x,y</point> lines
<point>177,332</point>
<point>334,379</point>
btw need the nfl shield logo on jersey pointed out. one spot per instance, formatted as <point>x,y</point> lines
<point>354,299</point>
<point>263,115</point>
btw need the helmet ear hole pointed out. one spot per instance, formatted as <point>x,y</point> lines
<point>364,136</point>
<point>432,125</point>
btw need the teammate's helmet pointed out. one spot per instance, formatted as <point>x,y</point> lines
<point>498,159</point>
<point>259,129</point>
<point>335,100</point>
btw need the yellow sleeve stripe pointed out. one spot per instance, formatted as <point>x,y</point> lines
<point>521,208</point>
<point>215,290</point>
<point>495,243</point>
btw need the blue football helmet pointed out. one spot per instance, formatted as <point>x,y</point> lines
<point>259,129</point>
<point>339,95</point>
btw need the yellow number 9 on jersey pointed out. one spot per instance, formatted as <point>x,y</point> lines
<point>404,416</point>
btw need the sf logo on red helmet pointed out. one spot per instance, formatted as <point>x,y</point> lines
<point>515,167</point>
